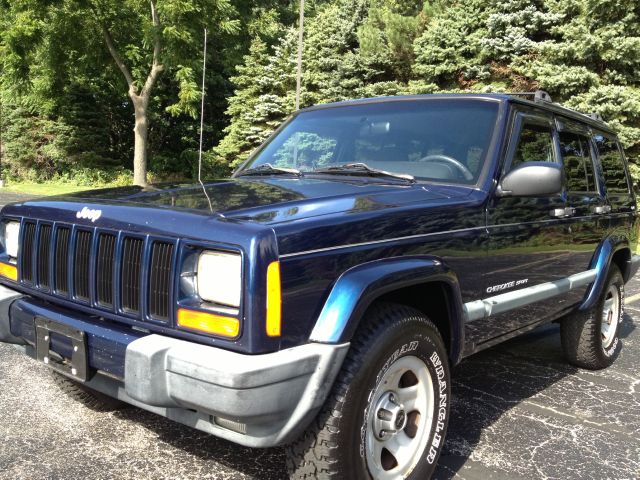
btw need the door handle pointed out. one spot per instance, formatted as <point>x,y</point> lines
<point>601,209</point>
<point>562,212</point>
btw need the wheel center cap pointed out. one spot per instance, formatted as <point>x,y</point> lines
<point>390,416</point>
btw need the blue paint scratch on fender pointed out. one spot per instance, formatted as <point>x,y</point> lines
<point>358,287</point>
<point>601,264</point>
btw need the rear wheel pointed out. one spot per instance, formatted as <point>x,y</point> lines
<point>590,339</point>
<point>96,401</point>
<point>387,415</point>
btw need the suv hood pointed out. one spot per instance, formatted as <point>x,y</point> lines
<point>270,200</point>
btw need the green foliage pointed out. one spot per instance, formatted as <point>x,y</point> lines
<point>67,109</point>
<point>55,63</point>
<point>584,52</point>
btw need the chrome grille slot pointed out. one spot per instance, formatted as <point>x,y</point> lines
<point>160,280</point>
<point>62,260</point>
<point>82,261</point>
<point>28,244</point>
<point>105,269</point>
<point>44,250</point>
<point>131,274</point>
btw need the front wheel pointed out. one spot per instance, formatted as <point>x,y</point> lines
<point>387,415</point>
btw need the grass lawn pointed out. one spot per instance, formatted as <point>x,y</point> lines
<point>43,189</point>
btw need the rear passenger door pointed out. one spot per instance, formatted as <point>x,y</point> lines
<point>585,199</point>
<point>614,172</point>
<point>617,187</point>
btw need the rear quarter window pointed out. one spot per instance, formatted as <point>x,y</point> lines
<point>613,169</point>
<point>578,166</point>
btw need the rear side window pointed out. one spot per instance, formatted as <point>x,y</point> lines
<point>615,176</point>
<point>578,165</point>
<point>535,144</point>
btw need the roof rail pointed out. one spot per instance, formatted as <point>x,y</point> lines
<point>594,116</point>
<point>543,97</point>
<point>538,95</point>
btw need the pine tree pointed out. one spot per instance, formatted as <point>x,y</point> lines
<point>591,62</point>
<point>448,53</point>
<point>263,97</point>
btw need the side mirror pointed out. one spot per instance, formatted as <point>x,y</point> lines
<point>532,179</point>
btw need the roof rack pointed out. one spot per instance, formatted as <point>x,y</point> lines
<point>594,116</point>
<point>544,97</point>
<point>538,95</point>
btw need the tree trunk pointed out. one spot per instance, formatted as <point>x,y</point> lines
<point>140,132</point>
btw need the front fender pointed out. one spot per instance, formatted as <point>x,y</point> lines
<point>357,288</point>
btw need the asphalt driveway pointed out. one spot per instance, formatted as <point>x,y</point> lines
<point>519,412</point>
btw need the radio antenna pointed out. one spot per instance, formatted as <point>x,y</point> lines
<point>204,71</point>
<point>300,47</point>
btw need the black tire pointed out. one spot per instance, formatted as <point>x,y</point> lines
<point>92,399</point>
<point>335,445</point>
<point>583,342</point>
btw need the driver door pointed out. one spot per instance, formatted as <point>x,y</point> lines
<point>528,236</point>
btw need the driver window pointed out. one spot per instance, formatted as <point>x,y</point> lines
<point>535,144</point>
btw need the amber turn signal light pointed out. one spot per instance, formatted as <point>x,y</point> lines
<point>9,271</point>
<point>208,322</point>
<point>274,300</point>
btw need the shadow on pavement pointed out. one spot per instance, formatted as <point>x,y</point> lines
<point>488,384</point>
<point>254,463</point>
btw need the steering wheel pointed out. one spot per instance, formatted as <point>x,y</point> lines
<point>466,173</point>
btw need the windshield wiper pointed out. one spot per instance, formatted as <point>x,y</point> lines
<point>363,169</point>
<point>268,169</point>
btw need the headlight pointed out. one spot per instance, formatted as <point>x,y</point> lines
<point>11,235</point>
<point>220,278</point>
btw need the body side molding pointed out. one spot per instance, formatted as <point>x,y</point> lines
<point>596,276</point>
<point>508,301</point>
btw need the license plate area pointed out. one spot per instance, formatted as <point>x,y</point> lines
<point>76,367</point>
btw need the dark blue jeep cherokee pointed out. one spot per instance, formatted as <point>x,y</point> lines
<point>319,297</point>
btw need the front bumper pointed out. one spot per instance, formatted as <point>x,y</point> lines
<point>254,400</point>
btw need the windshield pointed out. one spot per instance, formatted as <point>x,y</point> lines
<point>435,139</point>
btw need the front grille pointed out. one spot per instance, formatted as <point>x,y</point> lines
<point>160,280</point>
<point>98,268</point>
<point>131,274</point>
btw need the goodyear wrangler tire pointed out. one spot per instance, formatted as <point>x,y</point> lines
<point>590,339</point>
<point>388,412</point>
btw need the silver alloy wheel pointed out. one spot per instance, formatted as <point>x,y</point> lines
<point>610,316</point>
<point>399,420</point>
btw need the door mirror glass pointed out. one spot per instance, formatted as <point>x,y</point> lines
<point>532,179</point>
